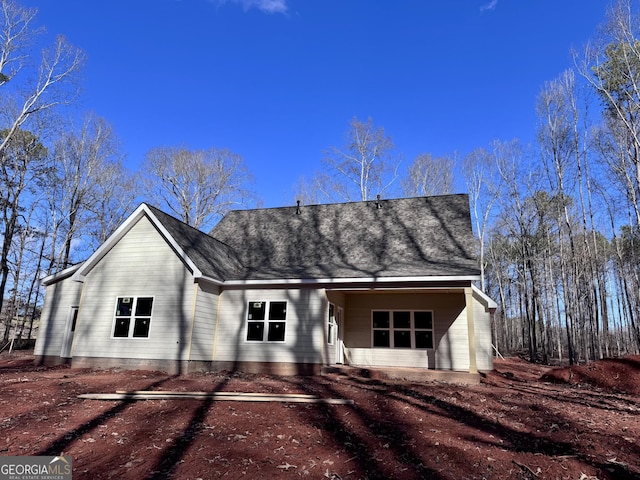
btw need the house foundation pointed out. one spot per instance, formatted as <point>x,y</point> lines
<point>173,367</point>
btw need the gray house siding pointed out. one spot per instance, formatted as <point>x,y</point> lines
<point>140,264</point>
<point>205,321</point>
<point>482,320</point>
<point>451,347</point>
<point>305,333</point>
<point>59,298</point>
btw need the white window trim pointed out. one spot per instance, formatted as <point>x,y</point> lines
<point>132,317</point>
<point>265,332</point>
<point>332,325</point>
<point>412,329</point>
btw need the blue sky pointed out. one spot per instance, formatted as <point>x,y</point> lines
<point>278,81</point>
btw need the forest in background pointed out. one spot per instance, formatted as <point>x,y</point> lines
<point>557,221</point>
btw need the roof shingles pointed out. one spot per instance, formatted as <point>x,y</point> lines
<point>423,236</point>
<point>212,257</point>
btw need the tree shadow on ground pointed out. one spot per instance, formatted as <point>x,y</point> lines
<point>582,397</point>
<point>506,437</point>
<point>171,457</point>
<point>65,440</point>
<point>513,440</point>
<point>382,428</point>
<point>384,423</point>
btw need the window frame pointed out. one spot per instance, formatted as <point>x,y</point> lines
<point>132,318</point>
<point>391,329</point>
<point>332,325</point>
<point>267,321</point>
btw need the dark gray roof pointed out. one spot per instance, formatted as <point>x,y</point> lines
<point>212,257</point>
<point>424,236</point>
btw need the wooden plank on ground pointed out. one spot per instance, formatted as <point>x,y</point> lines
<point>214,396</point>
<point>217,394</point>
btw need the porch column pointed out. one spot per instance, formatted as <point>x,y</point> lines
<point>471,330</point>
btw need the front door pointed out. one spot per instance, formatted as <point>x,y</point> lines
<point>69,331</point>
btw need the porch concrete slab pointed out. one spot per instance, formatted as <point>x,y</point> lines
<point>406,374</point>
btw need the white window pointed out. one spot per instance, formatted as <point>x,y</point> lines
<point>266,321</point>
<point>402,329</point>
<point>132,317</point>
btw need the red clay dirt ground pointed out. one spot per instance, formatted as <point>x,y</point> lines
<point>523,421</point>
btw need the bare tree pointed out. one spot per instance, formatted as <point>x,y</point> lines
<point>53,82</point>
<point>429,175</point>
<point>563,143</point>
<point>308,191</point>
<point>556,138</point>
<point>526,227</point>
<point>21,165</point>
<point>22,275</point>
<point>115,191</point>
<point>198,186</point>
<point>16,35</point>
<point>611,65</point>
<point>29,89</point>
<point>87,178</point>
<point>362,168</point>
<point>484,186</point>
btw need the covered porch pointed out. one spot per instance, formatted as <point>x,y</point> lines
<point>423,333</point>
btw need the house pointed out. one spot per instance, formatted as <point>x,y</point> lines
<point>385,283</point>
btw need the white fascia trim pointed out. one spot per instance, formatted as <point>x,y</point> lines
<point>489,303</point>
<point>61,275</point>
<point>214,281</point>
<point>121,231</point>
<point>355,280</point>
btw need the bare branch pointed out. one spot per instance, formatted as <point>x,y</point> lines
<point>363,167</point>
<point>15,36</point>
<point>56,73</point>
<point>197,186</point>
